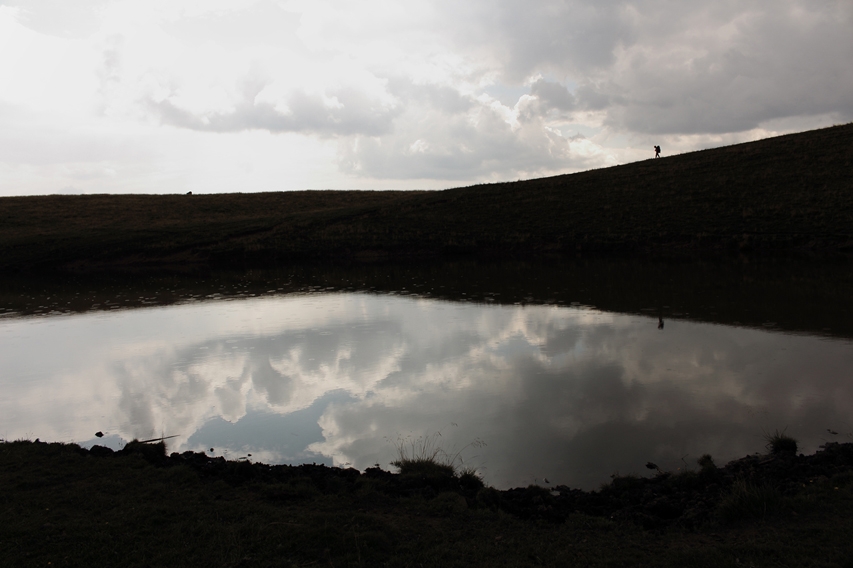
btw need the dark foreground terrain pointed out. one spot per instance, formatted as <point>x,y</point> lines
<point>783,194</point>
<point>65,506</point>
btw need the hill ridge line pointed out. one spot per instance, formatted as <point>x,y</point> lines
<point>784,194</point>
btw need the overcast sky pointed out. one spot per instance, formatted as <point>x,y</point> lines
<point>169,96</point>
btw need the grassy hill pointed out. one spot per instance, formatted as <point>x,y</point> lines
<point>787,193</point>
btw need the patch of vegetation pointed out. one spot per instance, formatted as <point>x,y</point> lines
<point>423,458</point>
<point>749,500</point>
<point>470,478</point>
<point>780,443</point>
<point>706,462</point>
<point>622,483</point>
<point>152,452</point>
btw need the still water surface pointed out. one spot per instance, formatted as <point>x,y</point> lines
<point>526,393</point>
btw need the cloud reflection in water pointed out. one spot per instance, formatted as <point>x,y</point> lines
<point>572,395</point>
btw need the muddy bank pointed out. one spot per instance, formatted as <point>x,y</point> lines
<point>750,487</point>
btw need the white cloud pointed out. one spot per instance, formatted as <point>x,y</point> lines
<point>422,94</point>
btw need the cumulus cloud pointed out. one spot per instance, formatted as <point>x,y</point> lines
<point>520,39</point>
<point>339,112</point>
<point>474,138</point>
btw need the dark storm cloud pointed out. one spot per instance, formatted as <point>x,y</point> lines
<point>570,36</point>
<point>579,425</point>
<point>775,64</point>
<point>590,97</point>
<point>667,67</point>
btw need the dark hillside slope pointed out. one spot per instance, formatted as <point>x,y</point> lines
<point>786,193</point>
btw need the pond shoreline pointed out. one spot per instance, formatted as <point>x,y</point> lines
<point>140,507</point>
<point>799,296</point>
<point>688,498</point>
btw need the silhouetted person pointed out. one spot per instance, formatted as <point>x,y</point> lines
<point>660,323</point>
<point>657,151</point>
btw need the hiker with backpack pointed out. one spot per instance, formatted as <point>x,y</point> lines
<point>657,151</point>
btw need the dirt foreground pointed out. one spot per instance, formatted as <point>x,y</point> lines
<point>66,506</point>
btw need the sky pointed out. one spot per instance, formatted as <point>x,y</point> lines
<point>170,96</point>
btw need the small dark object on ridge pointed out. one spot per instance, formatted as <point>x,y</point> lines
<point>189,193</point>
<point>650,465</point>
<point>833,432</point>
<point>211,449</point>
<point>99,434</point>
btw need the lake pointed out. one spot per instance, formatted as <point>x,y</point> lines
<point>562,372</point>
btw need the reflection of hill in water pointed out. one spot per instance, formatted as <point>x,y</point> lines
<point>798,296</point>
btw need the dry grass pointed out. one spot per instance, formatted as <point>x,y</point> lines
<point>425,456</point>
<point>780,443</point>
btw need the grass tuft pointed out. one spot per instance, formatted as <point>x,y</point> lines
<point>706,462</point>
<point>424,457</point>
<point>780,443</point>
<point>470,479</point>
<point>620,484</point>
<point>153,453</point>
<point>749,500</point>
<point>424,467</point>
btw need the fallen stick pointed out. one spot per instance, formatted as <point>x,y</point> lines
<point>158,439</point>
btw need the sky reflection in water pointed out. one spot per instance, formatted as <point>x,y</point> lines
<point>570,395</point>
